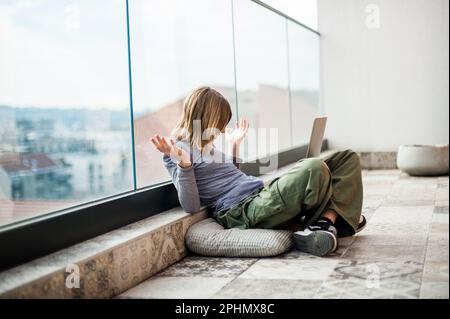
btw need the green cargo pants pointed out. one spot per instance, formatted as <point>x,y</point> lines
<point>308,189</point>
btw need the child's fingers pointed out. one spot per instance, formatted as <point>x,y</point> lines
<point>161,143</point>
<point>155,142</point>
<point>157,145</point>
<point>164,142</point>
<point>243,124</point>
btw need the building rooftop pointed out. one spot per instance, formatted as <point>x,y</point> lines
<point>26,162</point>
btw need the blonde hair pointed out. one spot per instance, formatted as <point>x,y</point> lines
<point>210,108</point>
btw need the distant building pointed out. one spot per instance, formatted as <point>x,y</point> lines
<point>34,176</point>
<point>8,130</point>
<point>97,175</point>
<point>53,158</point>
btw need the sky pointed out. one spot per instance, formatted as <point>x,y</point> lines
<point>73,53</point>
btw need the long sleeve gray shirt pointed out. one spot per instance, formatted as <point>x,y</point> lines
<point>212,180</point>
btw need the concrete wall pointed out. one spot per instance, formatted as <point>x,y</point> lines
<point>385,81</point>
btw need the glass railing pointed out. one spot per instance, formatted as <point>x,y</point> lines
<point>85,84</point>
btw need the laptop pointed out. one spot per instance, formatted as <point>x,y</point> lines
<point>317,133</point>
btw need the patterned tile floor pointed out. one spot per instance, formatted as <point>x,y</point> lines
<point>403,253</point>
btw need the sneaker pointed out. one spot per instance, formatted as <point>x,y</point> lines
<point>362,224</point>
<point>319,239</point>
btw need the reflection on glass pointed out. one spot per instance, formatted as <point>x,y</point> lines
<point>262,76</point>
<point>304,81</point>
<point>176,47</point>
<point>64,105</point>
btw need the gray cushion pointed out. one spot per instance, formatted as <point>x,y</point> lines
<point>209,238</point>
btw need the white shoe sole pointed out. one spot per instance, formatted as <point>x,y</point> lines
<point>318,242</point>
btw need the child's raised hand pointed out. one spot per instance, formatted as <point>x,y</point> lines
<point>239,132</point>
<point>161,144</point>
<point>176,153</point>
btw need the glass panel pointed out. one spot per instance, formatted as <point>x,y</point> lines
<point>304,11</point>
<point>176,46</point>
<point>262,77</point>
<point>64,105</point>
<point>304,81</point>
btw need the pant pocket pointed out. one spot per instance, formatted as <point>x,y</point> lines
<point>268,205</point>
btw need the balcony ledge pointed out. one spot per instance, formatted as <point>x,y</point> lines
<point>108,264</point>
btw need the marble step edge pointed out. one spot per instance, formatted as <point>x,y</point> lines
<point>372,160</point>
<point>378,160</point>
<point>107,265</point>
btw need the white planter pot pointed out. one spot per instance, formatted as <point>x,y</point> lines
<point>423,160</point>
